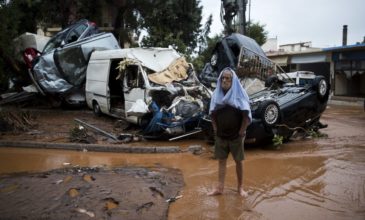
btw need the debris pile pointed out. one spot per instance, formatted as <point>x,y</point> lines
<point>79,134</point>
<point>16,121</point>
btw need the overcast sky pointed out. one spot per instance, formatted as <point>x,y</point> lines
<point>293,21</point>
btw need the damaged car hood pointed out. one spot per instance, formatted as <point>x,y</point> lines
<point>156,59</point>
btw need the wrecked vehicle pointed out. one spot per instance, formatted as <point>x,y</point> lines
<point>227,53</point>
<point>60,69</point>
<point>299,77</point>
<point>154,88</point>
<point>281,103</point>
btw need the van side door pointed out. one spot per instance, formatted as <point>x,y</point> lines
<point>96,88</point>
<point>133,86</point>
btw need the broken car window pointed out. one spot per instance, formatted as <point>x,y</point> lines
<point>53,43</point>
<point>76,33</point>
<point>131,74</point>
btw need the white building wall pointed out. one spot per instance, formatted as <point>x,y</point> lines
<point>270,45</point>
<point>296,47</point>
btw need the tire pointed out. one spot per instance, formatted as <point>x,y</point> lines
<point>322,88</point>
<point>269,112</point>
<point>96,109</point>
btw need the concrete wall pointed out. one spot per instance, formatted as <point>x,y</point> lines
<point>340,84</point>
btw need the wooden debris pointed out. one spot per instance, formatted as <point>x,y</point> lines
<point>16,121</point>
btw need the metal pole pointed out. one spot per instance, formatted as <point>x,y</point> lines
<point>244,16</point>
<point>96,129</point>
<point>249,11</point>
<point>241,16</point>
<point>186,134</point>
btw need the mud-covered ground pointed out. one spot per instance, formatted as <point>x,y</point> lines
<point>75,192</point>
<point>57,126</point>
<point>85,193</point>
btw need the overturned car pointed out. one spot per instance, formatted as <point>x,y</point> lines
<point>281,103</point>
<point>154,88</point>
<point>60,69</point>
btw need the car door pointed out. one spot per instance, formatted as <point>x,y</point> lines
<point>133,86</point>
<point>69,57</point>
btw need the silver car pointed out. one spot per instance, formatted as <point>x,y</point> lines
<point>61,68</point>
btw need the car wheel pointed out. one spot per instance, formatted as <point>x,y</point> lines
<point>269,112</point>
<point>96,109</point>
<point>322,88</point>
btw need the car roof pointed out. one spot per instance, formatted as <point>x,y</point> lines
<point>247,42</point>
<point>156,59</point>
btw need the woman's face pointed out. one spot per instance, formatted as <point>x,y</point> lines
<point>226,80</point>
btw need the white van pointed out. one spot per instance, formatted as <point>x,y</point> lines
<point>300,78</point>
<point>116,79</point>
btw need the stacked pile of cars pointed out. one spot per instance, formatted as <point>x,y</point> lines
<point>158,90</point>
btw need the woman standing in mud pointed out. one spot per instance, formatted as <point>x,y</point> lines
<point>231,114</point>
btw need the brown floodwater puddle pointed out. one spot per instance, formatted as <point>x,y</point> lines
<point>309,183</point>
<point>308,179</point>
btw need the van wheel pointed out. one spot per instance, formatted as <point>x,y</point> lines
<point>96,109</point>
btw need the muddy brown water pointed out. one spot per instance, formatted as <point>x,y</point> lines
<point>307,179</point>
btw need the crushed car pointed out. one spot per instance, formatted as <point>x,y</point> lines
<point>60,69</point>
<point>281,103</point>
<point>154,88</point>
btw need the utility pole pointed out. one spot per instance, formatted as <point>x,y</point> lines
<point>233,15</point>
<point>241,16</point>
<point>249,17</point>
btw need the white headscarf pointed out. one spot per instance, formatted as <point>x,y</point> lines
<point>235,97</point>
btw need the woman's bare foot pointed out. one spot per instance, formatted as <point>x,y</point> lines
<point>215,192</point>
<point>242,193</point>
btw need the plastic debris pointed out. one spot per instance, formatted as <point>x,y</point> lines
<point>58,182</point>
<point>173,199</point>
<point>84,211</point>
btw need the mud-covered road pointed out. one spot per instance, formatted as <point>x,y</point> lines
<point>308,179</point>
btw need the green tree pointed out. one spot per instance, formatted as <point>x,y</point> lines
<point>66,12</point>
<point>20,16</point>
<point>173,22</point>
<point>205,54</point>
<point>257,32</point>
<point>16,17</point>
<point>164,23</point>
<point>129,18</point>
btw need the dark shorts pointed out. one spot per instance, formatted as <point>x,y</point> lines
<point>224,146</point>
